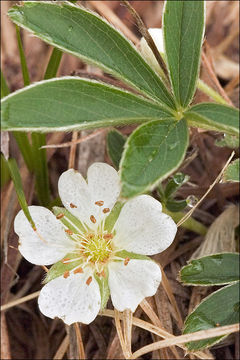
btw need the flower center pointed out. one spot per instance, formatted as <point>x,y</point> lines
<point>97,247</point>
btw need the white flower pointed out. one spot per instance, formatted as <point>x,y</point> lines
<point>94,249</point>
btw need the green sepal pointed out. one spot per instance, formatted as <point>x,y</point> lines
<point>113,216</point>
<point>59,268</point>
<point>229,141</point>
<point>103,287</point>
<point>131,255</point>
<point>232,172</point>
<point>69,220</point>
<point>115,144</point>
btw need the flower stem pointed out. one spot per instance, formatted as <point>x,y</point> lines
<point>190,224</point>
<point>210,92</point>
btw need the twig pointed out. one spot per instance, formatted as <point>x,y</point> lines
<point>70,143</point>
<point>198,335</point>
<point>127,327</point>
<point>126,353</point>
<point>62,349</point>
<point>79,342</point>
<point>73,149</point>
<point>145,33</point>
<point>169,292</point>
<point>153,329</point>
<point>218,178</point>
<point>20,301</point>
<point>215,79</point>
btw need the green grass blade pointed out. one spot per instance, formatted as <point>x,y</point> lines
<point>16,178</point>
<point>53,64</point>
<point>26,78</point>
<point>40,169</point>
<point>4,87</point>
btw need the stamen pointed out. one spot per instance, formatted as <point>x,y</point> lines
<point>66,274</point>
<point>68,231</point>
<point>59,216</point>
<point>72,205</point>
<point>108,236</point>
<point>106,210</point>
<point>78,271</point>
<point>63,261</point>
<point>99,203</point>
<point>93,220</point>
<point>102,273</point>
<point>89,280</point>
<point>126,261</point>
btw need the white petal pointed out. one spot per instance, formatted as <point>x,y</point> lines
<point>157,36</point>
<point>143,228</point>
<point>71,299</point>
<point>104,184</point>
<point>52,244</point>
<point>73,191</point>
<point>130,284</point>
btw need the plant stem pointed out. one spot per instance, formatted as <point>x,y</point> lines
<point>25,73</point>
<point>210,92</point>
<point>190,224</point>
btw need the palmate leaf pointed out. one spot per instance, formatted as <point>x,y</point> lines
<point>216,117</point>
<point>115,144</point>
<point>79,32</point>
<point>70,103</point>
<point>183,28</point>
<point>218,309</point>
<point>152,152</point>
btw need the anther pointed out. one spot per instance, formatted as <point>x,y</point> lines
<point>90,236</point>
<point>89,280</point>
<point>93,220</point>
<point>72,205</point>
<point>99,203</point>
<point>59,216</point>
<point>66,274</point>
<point>64,260</point>
<point>102,273</point>
<point>78,271</point>
<point>68,231</point>
<point>108,236</point>
<point>106,210</point>
<point>126,261</point>
<point>34,228</point>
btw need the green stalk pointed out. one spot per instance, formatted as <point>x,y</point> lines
<point>25,73</point>
<point>17,181</point>
<point>4,87</point>
<point>53,64</point>
<point>210,92</point>
<point>40,168</point>
<point>190,224</point>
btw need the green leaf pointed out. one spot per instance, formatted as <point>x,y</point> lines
<point>25,74</point>
<point>53,64</point>
<point>115,144</point>
<point>232,172</point>
<point>152,152</point>
<point>73,104</point>
<point>59,268</point>
<point>216,117</point>
<point>174,184</point>
<point>229,141</point>
<point>81,33</point>
<point>183,29</point>
<point>218,309</point>
<point>176,205</point>
<point>5,173</point>
<point>217,269</point>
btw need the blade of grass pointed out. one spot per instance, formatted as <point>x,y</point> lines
<point>40,168</point>
<point>53,64</point>
<point>17,181</point>
<point>25,73</point>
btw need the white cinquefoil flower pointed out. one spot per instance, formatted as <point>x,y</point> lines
<point>96,251</point>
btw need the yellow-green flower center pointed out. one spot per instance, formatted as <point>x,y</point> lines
<point>97,247</point>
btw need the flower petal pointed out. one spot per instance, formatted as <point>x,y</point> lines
<point>130,284</point>
<point>52,244</point>
<point>73,191</point>
<point>142,227</point>
<point>104,184</point>
<point>71,299</point>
